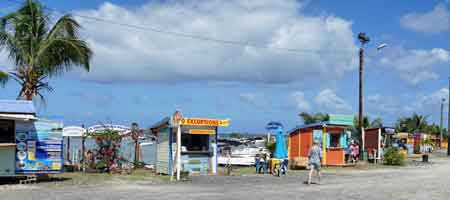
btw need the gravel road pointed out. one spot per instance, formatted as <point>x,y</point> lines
<point>414,182</point>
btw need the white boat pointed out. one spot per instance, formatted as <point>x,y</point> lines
<point>241,155</point>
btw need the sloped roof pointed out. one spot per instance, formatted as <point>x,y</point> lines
<point>17,107</point>
<point>163,122</point>
<point>315,125</point>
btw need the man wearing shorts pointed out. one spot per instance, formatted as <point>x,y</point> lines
<point>314,161</point>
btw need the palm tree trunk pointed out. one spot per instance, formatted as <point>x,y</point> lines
<point>27,92</point>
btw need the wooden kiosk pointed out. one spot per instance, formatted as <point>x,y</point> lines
<point>28,145</point>
<point>334,134</point>
<point>198,147</point>
<point>377,138</point>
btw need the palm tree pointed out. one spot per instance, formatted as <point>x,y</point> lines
<point>413,124</point>
<point>376,123</point>
<point>365,123</point>
<point>311,119</point>
<point>40,51</point>
<point>417,123</point>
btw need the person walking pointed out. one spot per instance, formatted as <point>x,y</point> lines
<point>354,152</point>
<point>314,161</point>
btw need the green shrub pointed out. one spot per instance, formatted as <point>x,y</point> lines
<point>392,156</point>
<point>271,147</point>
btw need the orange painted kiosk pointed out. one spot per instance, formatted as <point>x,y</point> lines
<point>334,134</point>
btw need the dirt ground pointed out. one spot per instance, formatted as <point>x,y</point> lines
<point>415,181</point>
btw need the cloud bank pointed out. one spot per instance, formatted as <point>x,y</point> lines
<point>325,43</point>
<point>416,65</point>
<point>435,21</point>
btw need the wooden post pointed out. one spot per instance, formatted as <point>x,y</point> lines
<point>68,150</point>
<point>324,144</point>
<point>178,151</point>
<point>379,144</point>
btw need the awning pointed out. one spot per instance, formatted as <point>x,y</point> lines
<point>22,117</point>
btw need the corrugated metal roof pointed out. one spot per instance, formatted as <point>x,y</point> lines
<point>17,107</point>
<point>164,121</point>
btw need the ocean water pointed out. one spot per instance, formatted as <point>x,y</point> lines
<point>126,149</point>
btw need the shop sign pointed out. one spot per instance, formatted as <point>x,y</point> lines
<point>119,128</point>
<point>341,120</point>
<point>40,147</point>
<point>204,122</point>
<point>202,132</point>
<point>73,131</point>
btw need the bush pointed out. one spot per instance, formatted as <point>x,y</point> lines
<point>271,147</point>
<point>392,156</point>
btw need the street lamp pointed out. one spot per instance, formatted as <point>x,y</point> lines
<point>363,39</point>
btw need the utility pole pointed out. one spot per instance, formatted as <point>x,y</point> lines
<point>441,129</point>
<point>364,39</point>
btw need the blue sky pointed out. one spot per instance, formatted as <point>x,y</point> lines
<point>143,76</point>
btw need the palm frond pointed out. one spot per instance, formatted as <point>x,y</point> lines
<point>66,26</point>
<point>60,55</point>
<point>3,78</point>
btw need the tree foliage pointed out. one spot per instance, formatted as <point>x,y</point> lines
<point>392,156</point>
<point>376,123</point>
<point>311,119</point>
<point>413,124</point>
<point>107,155</point>
<point>39,50</point>
<point>3,78</point>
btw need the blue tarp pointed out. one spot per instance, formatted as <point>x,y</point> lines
<point>280,145</point>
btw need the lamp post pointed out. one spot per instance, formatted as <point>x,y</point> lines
<point>363,39</point>
<point>135,136</point>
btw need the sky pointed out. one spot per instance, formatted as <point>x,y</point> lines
<point>292,56</point>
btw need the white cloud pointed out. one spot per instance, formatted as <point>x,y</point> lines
<point>435,21</point>
<point>4,63</point>
<point>248,97</point>
<point>127,54</point>
<point>329,101</point>
<point>300,102</point>
<point>382,105</point>
<point>434,98</point>
<point>416,65</point>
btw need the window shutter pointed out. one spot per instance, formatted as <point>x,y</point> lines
<point>328,140</point>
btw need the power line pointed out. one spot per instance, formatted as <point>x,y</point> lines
<point>188,35</point>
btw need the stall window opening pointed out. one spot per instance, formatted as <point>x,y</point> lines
<point>334,140</point>
<point>7,132</point>
<point>193,142</point>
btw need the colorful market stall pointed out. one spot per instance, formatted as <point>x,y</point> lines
<point>198,150</point>
<point>376,139</point>
<point>405,142</point>
<point>28,145</point>
<point>333,133</point>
